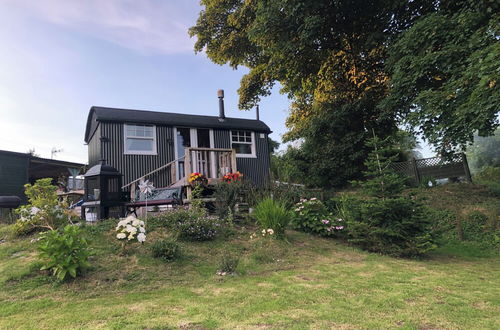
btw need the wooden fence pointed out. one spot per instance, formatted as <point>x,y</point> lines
<point>435,168</point>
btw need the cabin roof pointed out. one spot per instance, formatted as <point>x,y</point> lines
<point>104,114</point>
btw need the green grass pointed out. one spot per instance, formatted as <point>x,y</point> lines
<point>308,282</point>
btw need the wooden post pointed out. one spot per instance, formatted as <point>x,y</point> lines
<point>415,170</point>
<point>233,161</point>
<point>173,172</point>
<point>187,163</point>
<point>466,168</point>
<point>132,192</point>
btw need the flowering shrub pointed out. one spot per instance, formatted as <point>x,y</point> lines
<point>64,252</point>
<point>131,229</point>
<point>311,215</point>
<point>43,211</point>
<point>197,179</point>
<point>232,177</point>
<point>202,228</point>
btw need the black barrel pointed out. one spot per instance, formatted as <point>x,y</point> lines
<point>9,202</point>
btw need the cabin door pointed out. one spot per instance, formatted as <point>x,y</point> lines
<point>196,138</point>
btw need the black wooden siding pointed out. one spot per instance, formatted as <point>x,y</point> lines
<point>13,174</point>
<point>95,147</point>
<point>134,166</point>
<point>255,169</point>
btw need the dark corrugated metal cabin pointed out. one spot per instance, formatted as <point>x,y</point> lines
<point>137,142</point>
<point>17,169</point>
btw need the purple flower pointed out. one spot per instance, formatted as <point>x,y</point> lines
<point>339,227</point>
<point>325,221</point>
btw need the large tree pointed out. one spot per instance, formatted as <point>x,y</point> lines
<point>444,73</point>
<point>329,57</point>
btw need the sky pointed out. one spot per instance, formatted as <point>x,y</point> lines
<point>61,57</point>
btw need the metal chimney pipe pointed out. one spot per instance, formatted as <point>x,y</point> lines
<point>257,112</point>
<point>220,95</point>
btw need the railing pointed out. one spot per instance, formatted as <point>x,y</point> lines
<point>213,163</point>
<point>173,175</point>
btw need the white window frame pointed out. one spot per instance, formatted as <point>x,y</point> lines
<point>139,152</point>
<point>252,144</point>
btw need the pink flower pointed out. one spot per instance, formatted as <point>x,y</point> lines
<point>325,221</point>
<point>339,227</point>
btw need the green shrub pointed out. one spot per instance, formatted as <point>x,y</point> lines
<point>202,228</point>
<point>228,264</point>
<point>169,219</point>
<point>273,215</point>
<point>43,210</point>
<point>64,252</point>
<point>395,226</point>
<point>167,249</point>
<point>490,177</point>
<point>312,216</point>
<point>227,195</point>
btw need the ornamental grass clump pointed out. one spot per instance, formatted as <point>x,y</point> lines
<point>274,215</point>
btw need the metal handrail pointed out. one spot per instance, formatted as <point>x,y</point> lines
<point>152,172</point>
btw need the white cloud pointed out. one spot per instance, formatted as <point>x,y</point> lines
<point>147,26</point>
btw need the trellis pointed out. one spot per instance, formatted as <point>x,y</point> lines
<point>435,168</point>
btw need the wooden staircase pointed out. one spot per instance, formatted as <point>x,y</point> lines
<point>211,162</point>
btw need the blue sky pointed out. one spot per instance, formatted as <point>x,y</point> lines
<point>61,57</point>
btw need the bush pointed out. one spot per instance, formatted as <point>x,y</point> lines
<point>311,216</point>
<point>477,228</point>
<point>167,249</point>
<point>273,215</point>
<point>227,195</point>
<point>64,252</point>
<point>170,218</point>
<point>43,210</point>
<point>490,177</point>
<point>396,226</point>
<point>228,264</point>
<point>204,228</point>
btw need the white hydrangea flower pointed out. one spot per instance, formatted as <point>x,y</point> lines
<point>141,237</point>
<point>121,236</point>
<point>142,230</point>
<point>136,223</point>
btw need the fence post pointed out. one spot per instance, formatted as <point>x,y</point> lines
<point>466,168</point>
<point>415,170</point>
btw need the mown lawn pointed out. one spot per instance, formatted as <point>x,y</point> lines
<point>308,282</point>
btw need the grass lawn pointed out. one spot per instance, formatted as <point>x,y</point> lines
<point>308,282</point>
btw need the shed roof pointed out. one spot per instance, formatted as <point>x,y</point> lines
<point>104,114</point>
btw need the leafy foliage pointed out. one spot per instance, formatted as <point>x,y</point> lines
<point>227,195</point>
<point>311,215</point>
<point>394,226</point>
<point>272,214</point>
<point>204,228</point>
<point>64,252</point>
<point>445,73</point>
<point>167,249</point>
<point>381,181</point>
<point>386,223</point>
<point>43,209</point>
<point>228,263</point>
<point>484,152</point>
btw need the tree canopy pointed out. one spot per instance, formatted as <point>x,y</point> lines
<point>444,71</point>
<point>350,66</point>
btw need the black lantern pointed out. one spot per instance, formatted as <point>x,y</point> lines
<point>103,194</point>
